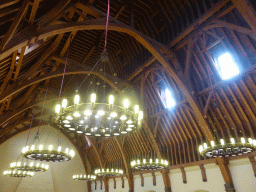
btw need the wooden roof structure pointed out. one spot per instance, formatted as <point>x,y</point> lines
<point>152,45</point>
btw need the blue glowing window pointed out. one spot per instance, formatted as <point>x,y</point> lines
<point>226,66</point>
<point>169,99</point>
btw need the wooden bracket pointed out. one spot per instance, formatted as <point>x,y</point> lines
<point>203,172</point>
<point>253,162</point>
<point>183,175</point>
<point>122,178</point>
<point>154,178</point>
<point>225,171</point>
<point>88,186</point>
<point>114,179</point>
<point>105,179</point>
<point>142,180</point>
<point>166,178</point>
<point>95,188</point>
<point>101,184</point>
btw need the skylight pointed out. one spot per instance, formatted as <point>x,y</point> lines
<point>227,67</point>
<point>169,99</point>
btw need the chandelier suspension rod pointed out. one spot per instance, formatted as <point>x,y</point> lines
<point>106,35</point>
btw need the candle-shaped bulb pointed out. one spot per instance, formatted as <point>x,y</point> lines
<point>50,147</point>
<point>222,142</point>
<point>40,147</point>
<point>232,140</point>
<point>242,140</point>
<point>93,98</point>
<point>140,115</point>
<point>111,99</point>
<point>32,147</point>
<point>136,109</point>
<point>76,99</point>
<point>250,140</point>
<point>64,103</point>
<point>212,143</point>
<point>126,103</point>
<point>57,109</point>
<point>205,145</point>
<point>59,148</point>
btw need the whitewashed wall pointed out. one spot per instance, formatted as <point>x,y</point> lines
<point>58,178</point>
<point>215,181</point>
<point>242,175</point>
<point>241,170</point>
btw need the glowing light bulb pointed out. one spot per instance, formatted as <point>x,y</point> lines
<point>138,161</point>
<point>42,165</point>
<point>212,143</point>
<point>201,148</point>
<point>32,147</point>
<point>57,109</point>
<point>101,113</point>
<point>126,103</point>
<point>87,112</point>
<point>31,164</point>
<point>144,160</point>
<point>123,117</point>
<point>205,145</point>
<point>37,165</point>
<point>242,140</point>
<point>254,142</point>
<point>150,161</point>
<point>76,99</point>
<point>157,161</point>
<point>136,108</point>
<point>46,167</point>
<point>19,164</point>
<point>24,150</point>
<point>66,150</point>
<point>32,173</point>
<point>140,115</point>
<point>72,153</point>
<point>59,148</point>
<point>222,142</point>
<point>40,147</point>
<point>113,114</point>
<point>93,98</point>
<point>111,99</point>
<point>232,140</point>
<point>64,103</point>
<point>250,140</point>
<point>77,114</point>
<point>50,147</point>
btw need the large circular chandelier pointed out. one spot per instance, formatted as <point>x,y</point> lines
<point>50,154</point>
<point>15,173</point>
<point>84,177</point>
<point>98,119</point>
<point>149,164</point>
<point>38,167</point>
<point>109,172</point>
<point>233,148</point>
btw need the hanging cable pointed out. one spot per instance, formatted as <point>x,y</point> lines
<point>106,35</point>
<point>42,112</point>
<point>30,127</point>
<point>65,66</point>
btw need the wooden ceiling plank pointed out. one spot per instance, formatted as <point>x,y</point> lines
<point>7,3</point>
<point>11,31</point>
<point>33,11</point>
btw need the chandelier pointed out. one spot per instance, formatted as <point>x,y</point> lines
<point>109,172</point>
<point>149,164</point>
<point>233,148</point>
<point>38,167</point>
<point>98,119</point>
<point>50,154</point>
<point>84,177</point>
<point>14,173</point>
